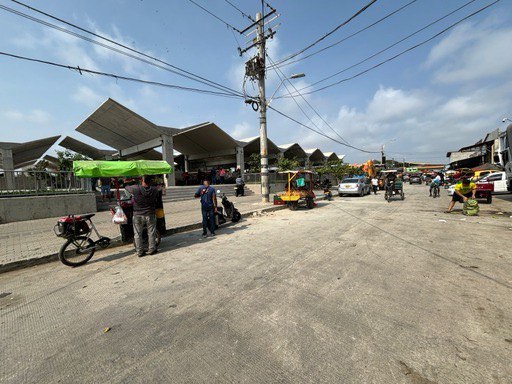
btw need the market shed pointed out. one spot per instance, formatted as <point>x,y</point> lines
<point>86,149</point>
<point>315,157</point>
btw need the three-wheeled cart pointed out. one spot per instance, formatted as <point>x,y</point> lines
<point>394,186</point>
<point>298,190</point>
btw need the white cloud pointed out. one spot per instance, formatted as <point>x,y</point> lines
<point>472,52</point>
<point>389,103</point>
<point>34,116</point>
<point>87,96</point>
<point>243,130</point>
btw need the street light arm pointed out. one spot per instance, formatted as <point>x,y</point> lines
<point>277,89</point>
<point>294,76</point>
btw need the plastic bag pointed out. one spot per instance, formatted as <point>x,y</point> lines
<point>470,208</point>
<point>119,216</point>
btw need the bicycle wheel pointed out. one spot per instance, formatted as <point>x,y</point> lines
<point>77,251</point>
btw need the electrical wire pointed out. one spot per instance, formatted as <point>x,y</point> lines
<point>397,55</point>
<point>328,33</point>
<point>215,16</point>
<point>117,77</point>
<point>239,10</point>
<point>351,35</point>
<point>389,46</point>
<point>285,78</point>
<point>185,73</point>
<point>320,133</point>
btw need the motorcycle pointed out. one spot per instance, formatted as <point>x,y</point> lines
<point>239,190</point>
<point>229,209</point>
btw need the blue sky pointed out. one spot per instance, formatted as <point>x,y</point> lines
<point>439,97</point>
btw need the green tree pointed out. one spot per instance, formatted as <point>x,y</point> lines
<point>284,164</point>
<point>254,163</point>
<point>65,159</point>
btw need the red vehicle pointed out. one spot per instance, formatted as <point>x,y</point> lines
<point>484,190</point>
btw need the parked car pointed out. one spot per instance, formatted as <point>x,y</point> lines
<point>479,174</point>
<point>499,179</point>
<point>354,186</point>
<point>415,179</point>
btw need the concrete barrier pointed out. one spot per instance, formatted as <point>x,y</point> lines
<point>42,207</point>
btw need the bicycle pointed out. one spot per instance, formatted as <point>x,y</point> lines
<point>79,247</point>
<point>435,190</point>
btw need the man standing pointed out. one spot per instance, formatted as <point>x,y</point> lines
<point>222,175</point>
<point>463,191</point>
<point>375,184</point>
<point>208,206</point>
<point>105,188</point>
<point>145,200</point>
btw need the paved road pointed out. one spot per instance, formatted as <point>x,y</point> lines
<point>33,239</point>
<point>357,290</point>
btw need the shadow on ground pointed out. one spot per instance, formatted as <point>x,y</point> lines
<point>175,241</point>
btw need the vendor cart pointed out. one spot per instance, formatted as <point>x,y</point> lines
<point>394,185</point>
<point>130,170</point>
<point>298,190</point>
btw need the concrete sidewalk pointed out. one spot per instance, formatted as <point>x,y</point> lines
<point>27,241</point>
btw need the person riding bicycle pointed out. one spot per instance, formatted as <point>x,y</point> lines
<point>435,183</point>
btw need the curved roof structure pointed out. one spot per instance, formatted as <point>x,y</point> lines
<point>202,138</point>
<point>24,154</point>
<point>315,155</point>
<point>252,145</point>
<point>331,156</point>
<point>293,150</point>
<point>118,127</point>
<point>85,149</point>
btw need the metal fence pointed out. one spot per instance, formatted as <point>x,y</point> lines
<point>22,183</point>
<point>255,178</point>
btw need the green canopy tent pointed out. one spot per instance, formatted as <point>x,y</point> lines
<point>91,168</point>
<point>87,168</point>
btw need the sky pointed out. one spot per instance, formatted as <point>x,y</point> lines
<point>444,95</point>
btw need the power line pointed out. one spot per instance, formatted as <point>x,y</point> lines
<point>389,46</point>
<point>115,76</point>
<point>215,16</point>
<point>328,33</point>
<point>320,133</point>
<point>397,55</point>
<point>239,10</point>
<point>277,70</point>
<point>293,98</point>
<point>351,35</point>
<point>178,70</point>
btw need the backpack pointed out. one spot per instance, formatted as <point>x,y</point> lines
<point>470,208</point>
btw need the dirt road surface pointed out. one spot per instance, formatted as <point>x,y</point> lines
<point>356,290</point>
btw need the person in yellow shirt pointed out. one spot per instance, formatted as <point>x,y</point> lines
<point>464,190</point>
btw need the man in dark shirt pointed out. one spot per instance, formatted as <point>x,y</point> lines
<point>145,200</point>
<point>208,206</point>
<point>105,188</point>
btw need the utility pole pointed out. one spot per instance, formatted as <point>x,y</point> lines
<point>382,157</point>
<point>265,190</point>
<point>255,70</point>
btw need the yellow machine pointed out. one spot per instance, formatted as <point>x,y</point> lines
<point>299,190</point>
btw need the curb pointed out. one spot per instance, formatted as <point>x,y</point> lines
<point>117,242</point>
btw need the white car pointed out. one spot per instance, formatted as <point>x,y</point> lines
<point>353,186</point>
<point>499,179</point>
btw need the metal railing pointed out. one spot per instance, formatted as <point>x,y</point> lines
<point>34,183</point>
<point>255,178</point>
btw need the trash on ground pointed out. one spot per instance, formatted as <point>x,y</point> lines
<point>442,221</point>
<point>107,329</point>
